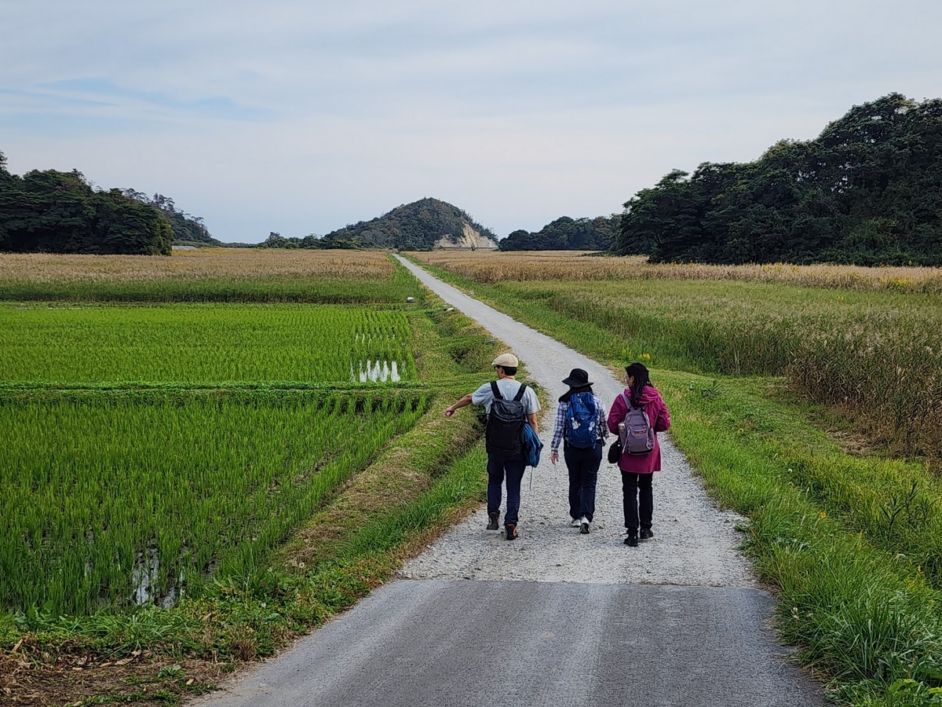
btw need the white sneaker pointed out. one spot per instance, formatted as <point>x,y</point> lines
<point>575,522</point>
<point>584,526</point>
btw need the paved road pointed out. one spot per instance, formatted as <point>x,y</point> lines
<point>442,642</point>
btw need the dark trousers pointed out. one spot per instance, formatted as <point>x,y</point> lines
<point>583,466</point>
<point>497,468</point>
<point>637,494</point>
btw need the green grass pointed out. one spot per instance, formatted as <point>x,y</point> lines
<point>863,611</point>
<point>171,487</point>
<point>277,596</point>
<point>202,343</point>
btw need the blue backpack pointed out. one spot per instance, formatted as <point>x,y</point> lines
<point>582,421</point>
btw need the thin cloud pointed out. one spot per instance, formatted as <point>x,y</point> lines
<point>301,117</point>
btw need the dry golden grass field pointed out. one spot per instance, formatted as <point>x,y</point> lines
<point>207,263</point>
<point>491,267</point>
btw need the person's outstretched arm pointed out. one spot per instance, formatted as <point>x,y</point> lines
<point>464,402</point>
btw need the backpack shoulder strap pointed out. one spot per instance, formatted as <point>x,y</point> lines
<point>519,396</point>
<point>627,400</point>
<point>496,391</point>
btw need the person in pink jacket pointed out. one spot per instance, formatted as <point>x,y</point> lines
<point>637,470</point>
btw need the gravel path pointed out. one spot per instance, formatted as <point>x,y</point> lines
<point>694,542</point>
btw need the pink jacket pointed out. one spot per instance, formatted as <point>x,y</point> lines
<point>660,421</point>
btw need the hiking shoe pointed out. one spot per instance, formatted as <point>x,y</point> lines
<point>575,522</point>
<point>646,534</point>
<point>511,531</point>
<point>584,526</point>
<point>632,540</point>
<point>492,521</point>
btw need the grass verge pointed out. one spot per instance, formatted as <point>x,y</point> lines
<point>864,615</point>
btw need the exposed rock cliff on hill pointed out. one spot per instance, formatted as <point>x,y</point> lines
<point>421,225</point>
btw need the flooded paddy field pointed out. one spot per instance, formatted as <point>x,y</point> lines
<point>124,500</point>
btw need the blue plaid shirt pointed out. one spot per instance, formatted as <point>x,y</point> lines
<point>562,412</point>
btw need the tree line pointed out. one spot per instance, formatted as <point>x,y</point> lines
<point>567,233</point>
<point>187,229</point>
<point>61,212</point>
<point>867,191</point>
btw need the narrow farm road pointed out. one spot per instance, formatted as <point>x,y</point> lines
<point>555,617</point>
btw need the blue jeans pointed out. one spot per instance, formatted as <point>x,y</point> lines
<point>497,467</point>
<point>583,466</point>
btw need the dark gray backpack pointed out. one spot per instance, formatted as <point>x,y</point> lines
<point>503,435</point>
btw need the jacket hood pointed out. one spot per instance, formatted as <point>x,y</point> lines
<point>648,395</point>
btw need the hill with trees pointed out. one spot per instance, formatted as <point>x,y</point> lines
<point>187,229</point>
<point>867,191</point>
<point>421,225</point>
<point>59,212</point>
<point>567,234</point>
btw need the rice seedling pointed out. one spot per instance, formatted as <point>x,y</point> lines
<point>105,501</point>
<point>204,343</point>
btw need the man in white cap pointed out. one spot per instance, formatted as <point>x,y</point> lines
<point>509,405</point>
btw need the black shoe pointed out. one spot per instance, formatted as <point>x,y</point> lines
<point>511,531</point>
<point>632,540</point>
<point>646,534</point>
<point>492,521</point>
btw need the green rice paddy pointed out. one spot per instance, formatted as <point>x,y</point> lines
<point>203,343</point>
<point>108,500</point>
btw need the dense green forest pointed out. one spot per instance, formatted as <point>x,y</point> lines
<point>60,212</point>
<point>567,234</point>
<point>867,191</point>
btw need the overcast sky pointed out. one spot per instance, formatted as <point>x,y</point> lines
<point>301,117</point>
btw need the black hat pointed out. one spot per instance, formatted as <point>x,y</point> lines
<point>577,378</point>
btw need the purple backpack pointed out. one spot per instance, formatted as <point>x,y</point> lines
<point>636,433</point>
